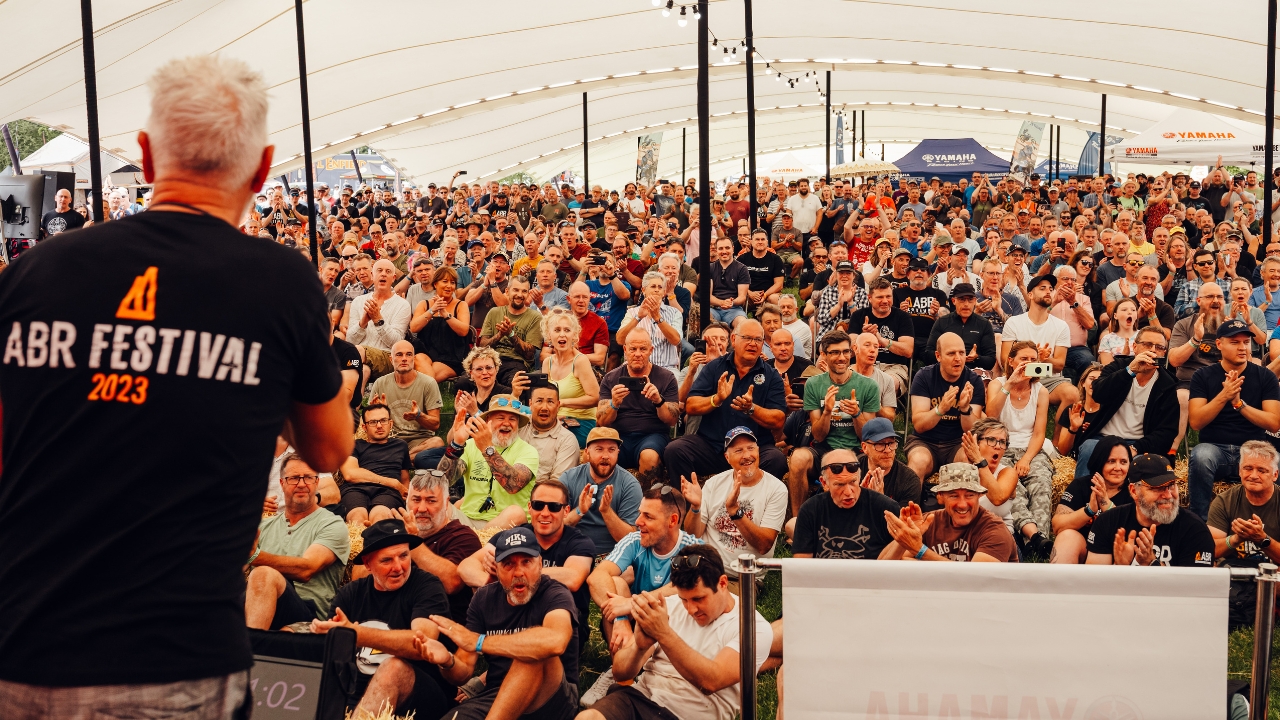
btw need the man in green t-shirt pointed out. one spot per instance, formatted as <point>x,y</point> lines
<point>839,403</point>
<point>496,466</point>
<point>298,559</point>
<point>514,330</point>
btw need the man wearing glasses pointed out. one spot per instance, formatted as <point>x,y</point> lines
<point>377,473</point>
<point>1127,286</point>
<point>1204,270</point>
<point>298,559</point>
<point>1138,401</point>
<point>846,521</point>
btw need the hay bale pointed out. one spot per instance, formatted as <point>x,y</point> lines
<point>384,713</point>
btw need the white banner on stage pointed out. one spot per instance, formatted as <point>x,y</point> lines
<point>890,640</point>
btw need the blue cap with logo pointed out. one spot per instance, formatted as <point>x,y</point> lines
<point>736,433</point>
<point>878,429</point>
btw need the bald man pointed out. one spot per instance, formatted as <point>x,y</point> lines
<point>62,218</point>
<point>737,389</point>
<point>378,320</point>
<point>946,400</point>
<point>414,400</point>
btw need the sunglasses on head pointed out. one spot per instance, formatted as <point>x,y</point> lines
<point>839,468</point>
<point>513,404</point>
<point>683,562</point>
<point>540,505</point>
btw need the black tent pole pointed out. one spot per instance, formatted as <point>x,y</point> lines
<point>309,171</point>
<point>91,105</point>
<point>704,166</point>
<point>751,118</point>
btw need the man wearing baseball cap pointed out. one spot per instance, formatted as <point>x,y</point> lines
<point>388,608</point>
<point>976,331</point>
<point>1152,530</point>
<point>739,510</point>
<point>960,532</point>
<point>497,467</point>
<point>1050,333</point>
<point>1231,401</point>
<point>922,301</point>
<point>604,497</point>
<point>525,625</point>
<point>838,301</point>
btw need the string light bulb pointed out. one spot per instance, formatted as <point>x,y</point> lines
<point>697,13</point>
<point>657,3</point>
<point>682,20</point>
<point>666,11</point>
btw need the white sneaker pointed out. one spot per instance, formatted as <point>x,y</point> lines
<point>597,690</point>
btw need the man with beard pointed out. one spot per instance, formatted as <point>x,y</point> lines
<point>1191,345</point>
<point>838,302</point>
<point>566,552</point>
<point>377,320</point>
<point>643,419</point>
<point>804,206</point>
<point>687,647</point>
<point>298,559</point>
<point>1051,335</point>
<point>485,450</point>
<point>647,553</point>
<point>735,389</point>
<point>798,328</point>
<point>893,331</point>
<point>526,627</point>
<point>880,466</point>
<point>445,541</point>
<point>557,446</point>
<point>1232,401</point>
<point>1152,310</point>
<point>847,520</point>
<point>1151,530</point>
<point>514,330</point>
<point>960,532</point>
<point>739,510</point>
<point>605,498</point>
<point>392,610</point>
<point>923,302</point>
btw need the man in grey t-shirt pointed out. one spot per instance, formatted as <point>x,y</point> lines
<point>414,400</point>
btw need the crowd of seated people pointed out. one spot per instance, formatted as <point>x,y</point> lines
<point>890,371</point>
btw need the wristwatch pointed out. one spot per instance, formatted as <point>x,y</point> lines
<point>379,323</point>
<point>981,463</point>
<point>1265,543</point>
<point>738,515</point>
<point>490,451</point>
<point>1075,305</point>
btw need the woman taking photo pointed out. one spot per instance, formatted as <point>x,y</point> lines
<point>1118,339</point>
<point>442,324</point>
<point>985,447</point>
<point>1022,405</point>
<point>1104,485</point>
<point>571,372</point>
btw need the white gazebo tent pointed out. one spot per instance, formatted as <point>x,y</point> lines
<point>1192,137</point>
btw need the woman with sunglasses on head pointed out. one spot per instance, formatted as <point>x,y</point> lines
<point>1021,404</point>
<point>1121,332</point>
<point>1085,265</point>
<point>1103,485</point>
<point>985,448</point>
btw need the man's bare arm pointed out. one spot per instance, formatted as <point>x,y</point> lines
<point>512,478</point>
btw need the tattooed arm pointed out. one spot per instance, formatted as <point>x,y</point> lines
<point>512,478</point>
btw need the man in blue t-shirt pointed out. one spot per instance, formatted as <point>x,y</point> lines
<point>1232,401</point>
<point>737,388</point>
<point>609,292</point>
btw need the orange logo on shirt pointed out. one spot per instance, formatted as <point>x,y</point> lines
<point>140,302</point>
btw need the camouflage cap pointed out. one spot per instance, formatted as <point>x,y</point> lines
<point>958,476</point>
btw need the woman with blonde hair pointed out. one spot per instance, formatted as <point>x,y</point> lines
<point>988,441</point>
<point>570,371</point>
<point>1021,404</point>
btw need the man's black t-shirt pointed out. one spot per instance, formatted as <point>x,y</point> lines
<point>929,383</point>
<point>897,325</point>
<point>826,530</point>
<point>598,219</point>
<point>349,359</point>
<point>386,459</point>
<point>572,543</point>
<point>184,339</point>
<point>1185,542</point>
<point>1080,490</point>
<point>762,270</point>
<point>1213,195</point>
<point>920,304</point>
<point>421,596</point>
<point>636,413</point>
<point>901,484</point>
<point>1230,427</point>
<point>55,222</point>
<point>795,371</point>
<point>491,613</point>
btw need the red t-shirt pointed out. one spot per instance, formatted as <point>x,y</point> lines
<point>594,330</point>
<point>579,251</point>
<point>738,210</point>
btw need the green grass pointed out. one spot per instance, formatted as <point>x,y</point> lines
<point>1240,660</point>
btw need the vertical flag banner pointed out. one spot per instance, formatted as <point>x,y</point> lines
<point>1088,164</point>
<point>840,139</point>
<point>647,159</point>
<point>1025,149</point>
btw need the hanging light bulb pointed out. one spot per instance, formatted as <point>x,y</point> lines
<point>657,3</point>
<point>682,20</point>
<point>697,13</point>
<point>714,42</point>
<point>666,11</point>
<point>779,77</point>
<point>734,52</point>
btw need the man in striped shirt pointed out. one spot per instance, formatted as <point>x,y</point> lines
<point>659,321</point>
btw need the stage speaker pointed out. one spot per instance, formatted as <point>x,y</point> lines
<point>22,204</point>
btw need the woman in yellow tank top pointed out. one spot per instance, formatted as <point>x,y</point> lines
<point>570,371</point>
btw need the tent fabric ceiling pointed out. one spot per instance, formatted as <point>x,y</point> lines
<point>502,93</point>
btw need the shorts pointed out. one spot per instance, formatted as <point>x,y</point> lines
<point>563,705</point>
<point>635,443</point>
<point>368,496</point>
<point>943,454</point>
<point>728,315</point>
<point>897,372</point>
<point>378,362</point>
<point>628,703</point>
<point>1053,381</point>
<point>788,256</point>
<point>291,608</point>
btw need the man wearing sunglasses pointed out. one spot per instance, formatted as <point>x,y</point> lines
<point>846,521</point>
<point>298,559</point>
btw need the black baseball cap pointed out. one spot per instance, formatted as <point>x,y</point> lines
<point>963,290</point>
<point>1035,281</point>
<point>1231,328</point>
<point>918,263</point>
<point>515,540</point>
<point>1152,470</point>
<point>844,266</point>
<point>386,533</point>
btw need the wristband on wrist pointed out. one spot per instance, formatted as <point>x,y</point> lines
<point>615,407</point>
<point>695,510</point>
<point>923,549</point>
<point>1088,510</point>
<point>480,642</point>
<point>254,556</point>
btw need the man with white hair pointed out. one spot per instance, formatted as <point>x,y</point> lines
<point>1152,530</point>
<point>1072,307</point>
<point>1246,517</point>
<point>485,451</point>
<point>249,355</point>
<point>798,328</point>
<point>379,319</point>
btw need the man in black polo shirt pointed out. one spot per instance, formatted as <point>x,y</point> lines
<point>153,360</point>
<point>389,608</point>
<point>765,269</point>
<point>737,388</point>
<point>535,679</point>
<point>729,284</point>
<point>975,330</point>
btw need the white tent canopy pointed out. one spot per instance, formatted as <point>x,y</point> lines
<point>70,154</point>
<point>504,95</point>
<point>1193,137</point>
